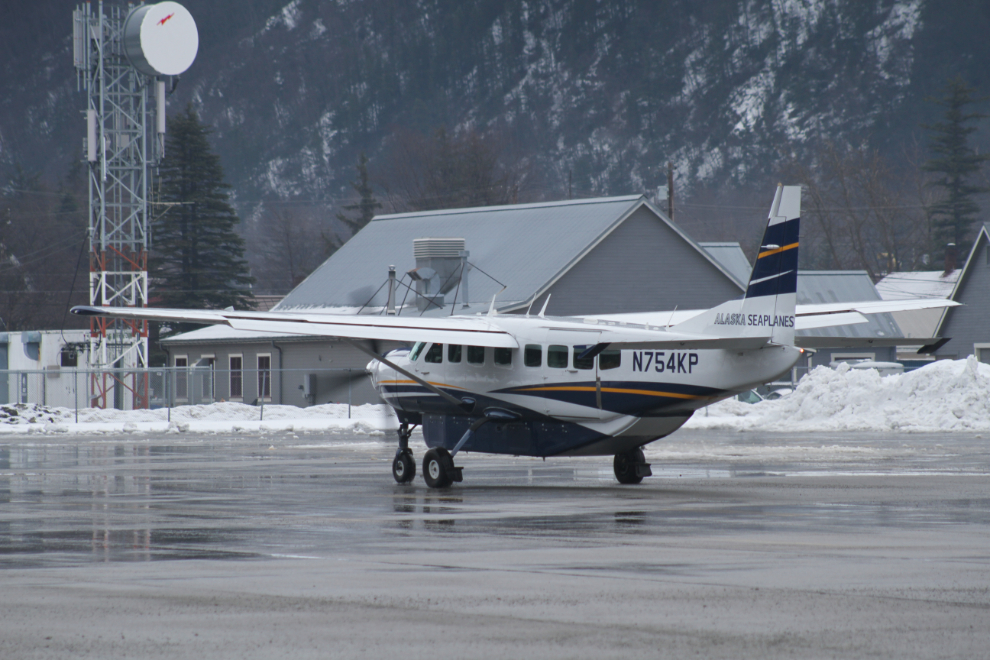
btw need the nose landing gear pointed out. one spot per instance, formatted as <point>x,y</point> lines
<point>403,466</point>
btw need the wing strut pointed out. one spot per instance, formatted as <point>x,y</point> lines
<point>429,386</point>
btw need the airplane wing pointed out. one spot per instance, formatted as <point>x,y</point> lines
<point>474,331</point>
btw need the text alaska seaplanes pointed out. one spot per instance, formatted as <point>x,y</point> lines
<point>761,320</point>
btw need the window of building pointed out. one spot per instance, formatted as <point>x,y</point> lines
<point>609,359</point>
<point>454,353</point>
<point>503,357</point>
<point>181,382</point>
<point>265,376</point>
<point>583,363</point>
<point>533,355</point>
<point>435,354</point>
<point>416,350</point>
<point>236,377</point>
<point>476,354</point>
<point>557,357</point>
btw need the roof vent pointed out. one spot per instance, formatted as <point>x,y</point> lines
<point>441,268</point>
<point>437,248</point>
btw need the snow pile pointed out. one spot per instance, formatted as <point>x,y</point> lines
<point>943,396</point>
<point>223,417</point>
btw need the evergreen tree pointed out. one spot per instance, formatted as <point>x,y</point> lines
<point>366,205</point>
<point>955,163</point>
<point>197,257</point>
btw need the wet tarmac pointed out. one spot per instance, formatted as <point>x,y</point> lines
<point>297,546</point>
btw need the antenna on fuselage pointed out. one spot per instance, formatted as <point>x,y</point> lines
<point>671,318</point>
<point>545,303</point>
<point>491,308</point>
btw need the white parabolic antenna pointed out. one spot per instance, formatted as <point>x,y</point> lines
<point>161,39</point>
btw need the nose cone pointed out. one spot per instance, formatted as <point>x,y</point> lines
<point>372,368</point>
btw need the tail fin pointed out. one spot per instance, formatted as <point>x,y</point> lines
<point>767,310</point>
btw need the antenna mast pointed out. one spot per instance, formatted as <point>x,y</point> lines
<point>121,56</point>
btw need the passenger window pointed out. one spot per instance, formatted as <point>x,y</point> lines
<point>533,355</point>
<point>453,353</point>
<point>583,363</point>
<point>476,354</point>
<point>610,359</point>
<point>416,350</point>
<point>435,354</point>
<point>503,357</point>
<point>557,357</point>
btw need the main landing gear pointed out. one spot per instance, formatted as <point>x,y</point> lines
<point>439,470</point>
<point>631,466</point>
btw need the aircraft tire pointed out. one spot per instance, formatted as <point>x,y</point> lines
<point>403,467</point>
<point>435,471</point>
<point>625,466</point>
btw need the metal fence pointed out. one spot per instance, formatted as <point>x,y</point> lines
<point>170,387</point>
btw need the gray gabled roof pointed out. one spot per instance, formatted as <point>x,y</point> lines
<point>831,286</point>
<point>732,257</point>
<point>526,247</point>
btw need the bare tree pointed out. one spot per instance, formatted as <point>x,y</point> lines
<point>42,239</point>
<point>288,244</point>
<point>858,214</point>
<point>443,171</point>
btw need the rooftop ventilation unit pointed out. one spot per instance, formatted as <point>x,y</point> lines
<point>441,267</point>
<point>437,248</point>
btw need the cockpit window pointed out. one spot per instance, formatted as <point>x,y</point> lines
<point>435,354</point>
<point>416,350</point>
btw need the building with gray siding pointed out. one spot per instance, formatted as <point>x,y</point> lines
<point>968,326</point>
<point>597,256</point>
<point>835,286</point>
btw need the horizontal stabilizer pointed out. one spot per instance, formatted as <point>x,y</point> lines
<point>875,306</point>
<point>828,320</point>
<point>819,343</point>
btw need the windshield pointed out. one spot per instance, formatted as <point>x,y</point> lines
<point>416,350</point>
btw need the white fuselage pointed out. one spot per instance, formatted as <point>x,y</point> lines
<point>639,394</point>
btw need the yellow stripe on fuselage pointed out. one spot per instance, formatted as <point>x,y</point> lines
<point>613,390</point>
<point>777,250</point>
<point>412,382</point>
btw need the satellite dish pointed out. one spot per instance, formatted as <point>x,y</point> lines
<point>161,39</point>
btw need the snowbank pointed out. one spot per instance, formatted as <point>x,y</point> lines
<point>948,395</point>
<point>944,396</point>
<point>214,418</point>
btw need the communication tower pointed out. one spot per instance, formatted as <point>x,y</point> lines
<point>122,56</point>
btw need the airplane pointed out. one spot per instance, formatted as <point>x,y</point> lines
<point>543,386</point>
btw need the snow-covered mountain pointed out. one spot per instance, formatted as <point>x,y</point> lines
<point>601,92</point>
